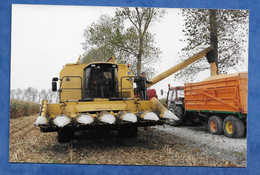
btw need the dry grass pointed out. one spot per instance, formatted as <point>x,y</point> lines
<point>28,144</point>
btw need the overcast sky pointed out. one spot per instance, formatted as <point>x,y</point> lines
<point>46,37</point>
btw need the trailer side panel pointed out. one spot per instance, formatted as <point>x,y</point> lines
<point>222,93</point>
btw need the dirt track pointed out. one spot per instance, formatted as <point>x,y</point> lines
<point>156,147</point>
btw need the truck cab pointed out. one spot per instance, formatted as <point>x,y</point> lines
<point>175,95</point>
<point>175,103</point>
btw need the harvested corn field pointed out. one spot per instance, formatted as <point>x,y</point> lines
<point>154,147</point>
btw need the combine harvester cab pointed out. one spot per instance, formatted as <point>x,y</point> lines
<point>100,95</point>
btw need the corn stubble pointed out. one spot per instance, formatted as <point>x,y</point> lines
<point>28,144</point>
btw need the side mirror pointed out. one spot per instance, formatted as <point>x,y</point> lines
<point>55,79</point>
<point>54,84</point>
<point>161,92</point>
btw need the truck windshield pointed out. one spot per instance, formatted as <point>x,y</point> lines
<point>180,93</point>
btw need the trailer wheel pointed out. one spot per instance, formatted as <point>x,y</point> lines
<point>65,135</point>
<point>233,127</point>
<point>215,125</point>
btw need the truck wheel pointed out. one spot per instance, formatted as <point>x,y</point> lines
<point>175,122</point>
<point>177,110</point>
<point>215,125</point>
<point>233,127</point>
<point>65,135</point>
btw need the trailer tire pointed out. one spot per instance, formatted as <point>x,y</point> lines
<point>233,127</point>
<point>215,125</point>
<point>65,135</point>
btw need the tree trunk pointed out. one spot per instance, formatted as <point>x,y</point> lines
<point>139,64</point>
<point>214,33</point>
<point>139,56</point>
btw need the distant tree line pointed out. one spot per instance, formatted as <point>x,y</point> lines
<point>34,95</point>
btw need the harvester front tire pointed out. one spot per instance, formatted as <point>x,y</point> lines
<point>233,127</point>
<point>215,125</point>
<point>65,135</point>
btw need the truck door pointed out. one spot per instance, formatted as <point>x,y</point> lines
<point>170,95</point>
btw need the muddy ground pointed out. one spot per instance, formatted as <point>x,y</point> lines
<point>167,146</point>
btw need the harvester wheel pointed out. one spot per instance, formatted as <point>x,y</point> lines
<point>233,127</point>
<point>65,135</point>
<point>215,125</point>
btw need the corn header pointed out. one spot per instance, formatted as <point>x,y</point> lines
<point>100,95</point>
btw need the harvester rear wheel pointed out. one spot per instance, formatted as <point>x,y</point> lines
<point>65,135</point>
<point>215,125</point>
<point>233,127</point>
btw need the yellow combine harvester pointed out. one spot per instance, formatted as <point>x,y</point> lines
<point>100,95</point>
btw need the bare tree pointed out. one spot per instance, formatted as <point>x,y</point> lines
<point>44,94</point>
<point>50,95</point>
<point>13,94</point>
<point>34,94</point>
<point>27,94</point>
<point>19,94</point>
